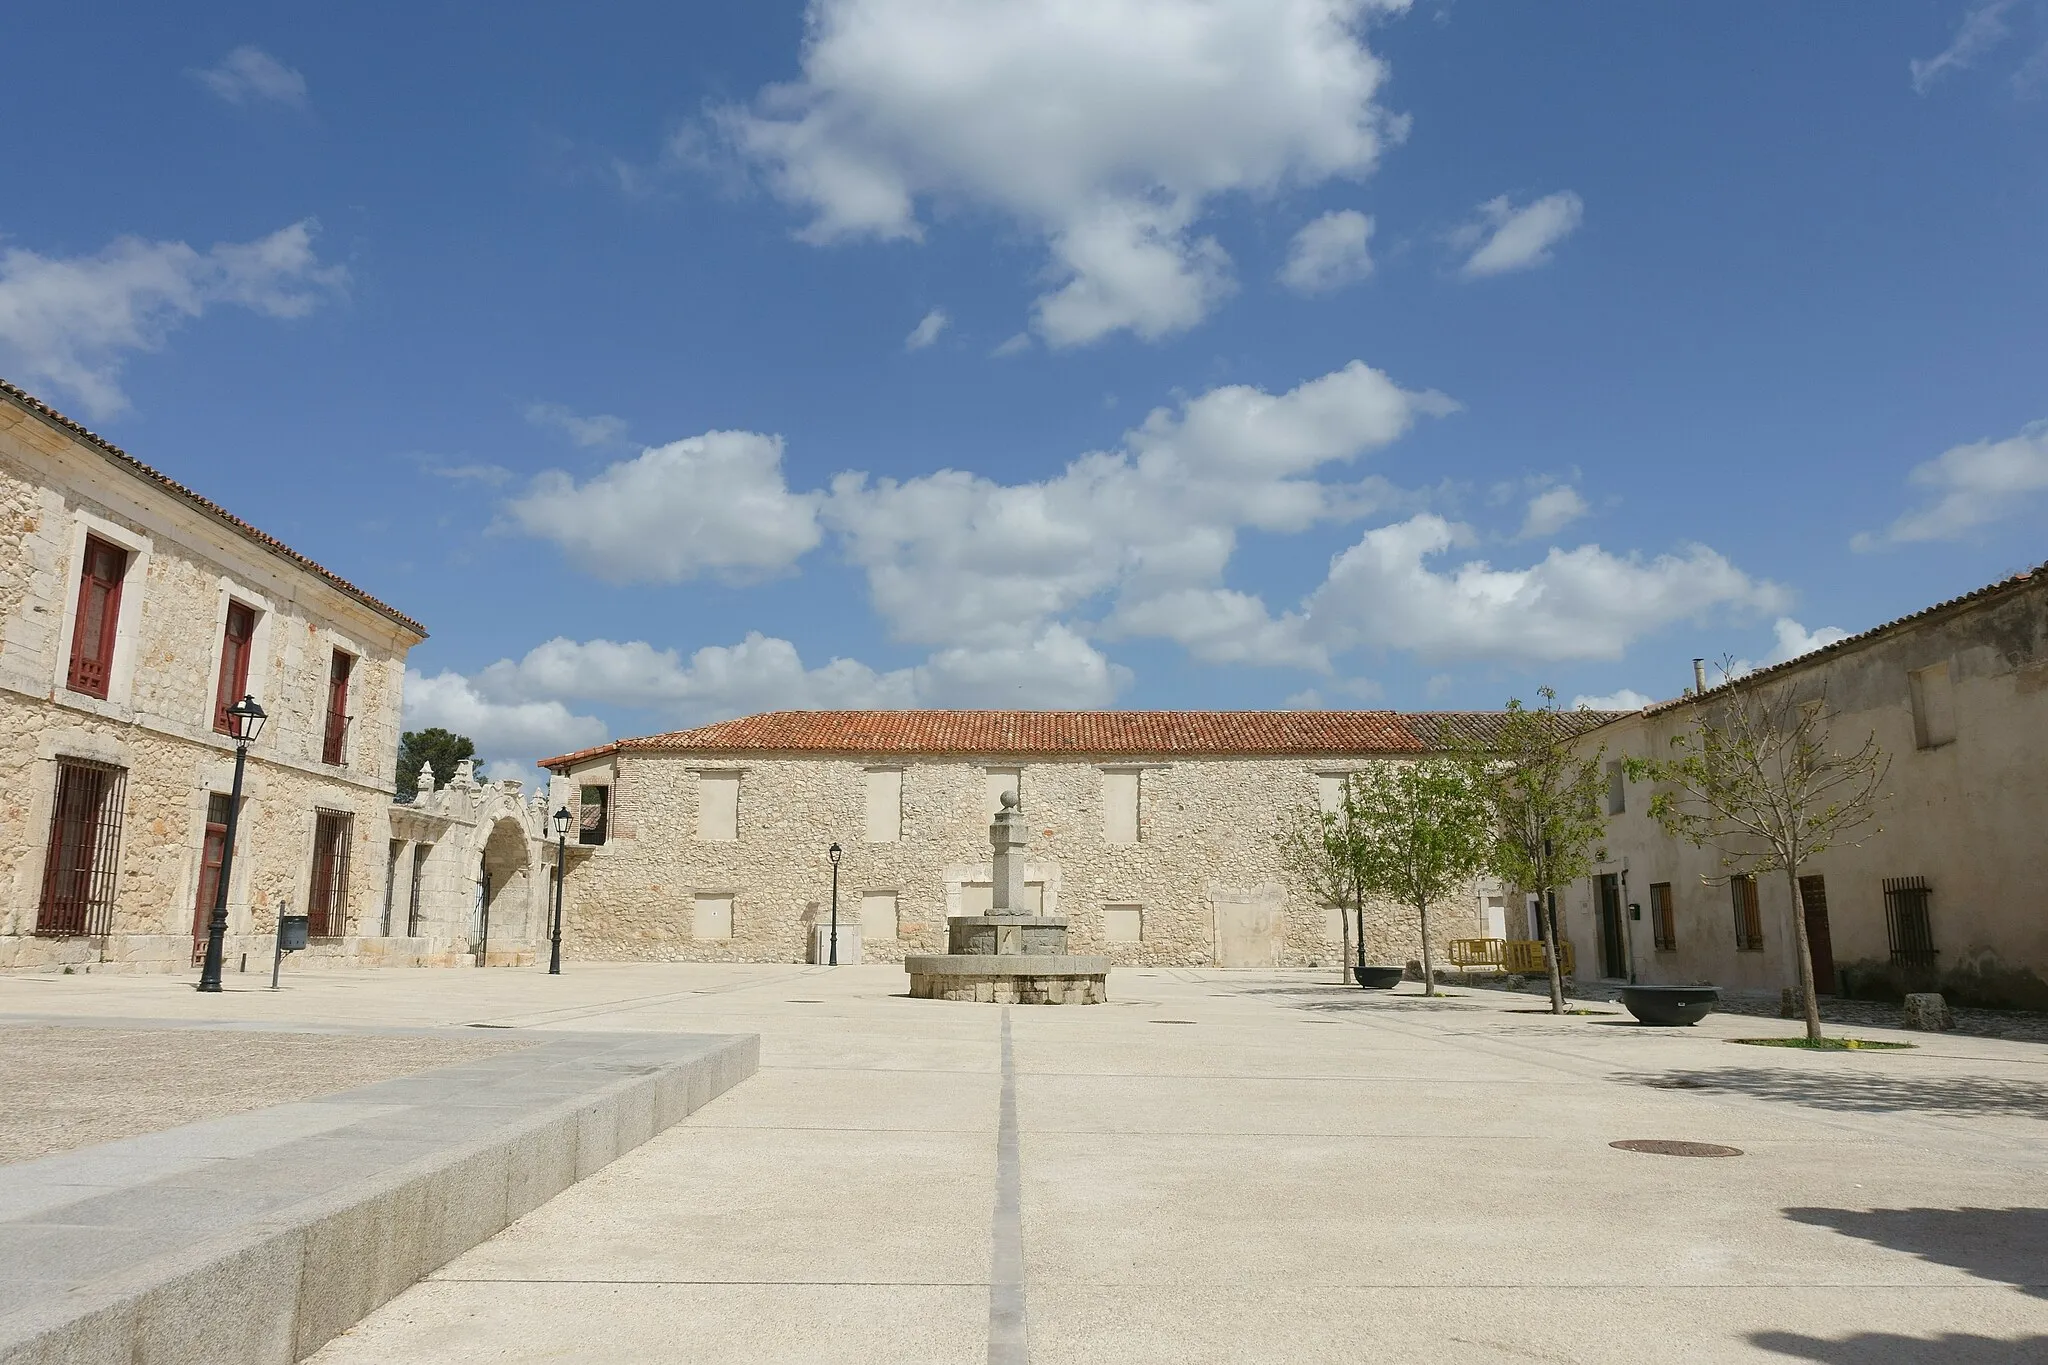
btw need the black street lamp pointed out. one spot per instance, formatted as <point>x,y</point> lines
<point>245,722</point>
<point>561,867</point>
<point>833,854</point>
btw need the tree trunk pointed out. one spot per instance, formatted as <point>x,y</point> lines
<point>1358,899</point>
<point>1428,964</point>
<point>1546,910</point>
<point>1804,952</point>
<point>1344,953</point>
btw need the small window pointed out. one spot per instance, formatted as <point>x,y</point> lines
<point>996,781</point>
<point>884,805</point>
<point>711,917</point>
<point>1120,807</point>
<point>327,905</point>
<point>878,917</point>
<point>1749,924</point>
<point>1617,788</point>
<point>236,641</point>
<point>718,807</point>
<point>84,847</point>
<point>1123,923</point>
<point>99,613</point>
<point>1909,924</point>
<point>1329,792</point>
<point>594,824</point>
<point>334,741</point>
<point>1934,706</point>
<point>1662,922</point>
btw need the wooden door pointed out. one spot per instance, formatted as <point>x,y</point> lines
<point>212,852</point>
<point>1613,947</point>
<point>1813,899</point>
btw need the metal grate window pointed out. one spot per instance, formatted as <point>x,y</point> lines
<point>1749,920</point>
<point>327,908</point>
<point>84,849</point>
<point>1907,921</point>
<point>595,819</point>
<point>1662,921</point>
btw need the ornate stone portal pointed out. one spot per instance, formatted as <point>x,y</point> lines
<point>1009,956</point>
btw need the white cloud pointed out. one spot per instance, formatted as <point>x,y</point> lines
<point>1982,29</point>
<point>1105,128</point>
<point>1505,238</point>
<point>70,321</point>
<point>505,731</point>
<point>712,504</point>
<point>1573,604</point>
<point>1015,344</point>
<point>1329,253</point>
<point>489,475</point>
<point>249,75</point>
<point>957,559</point>
<point>1795,639</point>
<point>1219,625</point>
<point>1551,511</point>
<point>1055,669</point>
<point>927,330</point>
<point>599,430</point>
<point>1622,699</point>
<point>1972,485</point>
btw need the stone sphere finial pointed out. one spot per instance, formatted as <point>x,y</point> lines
<point>1008,800</point>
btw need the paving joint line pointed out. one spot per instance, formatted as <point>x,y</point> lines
<point>1008,1342</point>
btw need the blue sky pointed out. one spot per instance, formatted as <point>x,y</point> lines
<point>675,362</point>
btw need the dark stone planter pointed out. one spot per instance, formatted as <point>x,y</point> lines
<point>1670,1004</point>
<point>1377,978</point>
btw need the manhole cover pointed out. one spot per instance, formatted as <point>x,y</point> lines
<point>1661,1147</point>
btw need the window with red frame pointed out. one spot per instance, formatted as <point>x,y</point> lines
<point>336,738</point>
<point>99,611</point>
<point>235,646</point>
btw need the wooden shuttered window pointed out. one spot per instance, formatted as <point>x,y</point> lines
<point>99,612</point>
<point>237,639</point>
<point>84,849</point>
<point>1749,922</point>
<point>1662,920</point>
<point>327,907</point>
<point>335,740</point>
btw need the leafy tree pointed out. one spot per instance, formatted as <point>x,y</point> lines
<point>1757,777</point>
<point>442,749</point>
<point>1543,799</point>
<point>1320,856</point>
<point>1420,830</point>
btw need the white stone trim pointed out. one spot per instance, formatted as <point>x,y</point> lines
<point>127,622</point>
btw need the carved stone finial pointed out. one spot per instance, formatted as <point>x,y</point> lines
<point>426,779</point>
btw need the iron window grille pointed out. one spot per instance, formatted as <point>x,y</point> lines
<point>84,849</point>
<point>1908,923</point>
<point>1662,922</point>
<point>327,907</point>
<point>1749,920</point>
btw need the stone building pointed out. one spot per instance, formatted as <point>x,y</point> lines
<point>132,612</point>
<point>1950,893</point>
<point>466,882</point>
<point>1152,831</point>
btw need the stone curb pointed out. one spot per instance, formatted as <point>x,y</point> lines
<point>272,1290</point>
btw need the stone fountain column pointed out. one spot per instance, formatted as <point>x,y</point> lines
<point>1009,956</point>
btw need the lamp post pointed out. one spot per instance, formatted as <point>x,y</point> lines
<point>245,722</point>
<point>833,854</point>
<point>561,868</point>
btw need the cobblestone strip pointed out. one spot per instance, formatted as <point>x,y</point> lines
<point>1007,1344</point>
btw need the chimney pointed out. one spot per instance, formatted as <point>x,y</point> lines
<point>1699,676</point>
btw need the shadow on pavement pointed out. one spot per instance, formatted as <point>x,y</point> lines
<point>1886,1348</point>
<point>2009,1245</point>
<point>1870,1093</point>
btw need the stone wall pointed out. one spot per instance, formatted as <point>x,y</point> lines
<point>157,720</point>
<point>1206,848</point>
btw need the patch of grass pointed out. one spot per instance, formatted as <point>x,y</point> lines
<point>1826,1044</point>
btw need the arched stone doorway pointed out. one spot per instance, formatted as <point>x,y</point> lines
<point>504,895</point>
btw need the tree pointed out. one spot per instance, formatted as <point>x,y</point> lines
<point>1544,802</point>
<point>1420,831</point>
<point>1757,778</point>
<point>1318,853</point>
<point>438,748</point>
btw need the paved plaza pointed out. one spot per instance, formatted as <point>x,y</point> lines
<point>1220,1166</point>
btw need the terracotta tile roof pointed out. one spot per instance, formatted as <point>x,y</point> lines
<point>1445,728</point>
<point>1151,734</point>
<point>2034,577</point>
<point>271,543</point>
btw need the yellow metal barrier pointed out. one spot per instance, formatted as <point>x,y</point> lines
<point>1521,957</point>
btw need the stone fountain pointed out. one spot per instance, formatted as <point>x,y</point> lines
<point>1009,956</point>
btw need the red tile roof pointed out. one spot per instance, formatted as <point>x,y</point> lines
<point>36,407</point>
<point>1038,733</point>
<point>2035,577</point>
